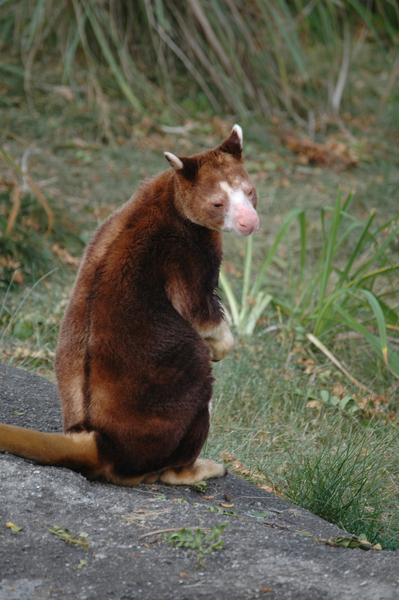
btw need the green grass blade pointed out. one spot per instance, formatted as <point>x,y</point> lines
<point>322,312</point>
<point>382,327</point>
<point>34,24</point>
<point>106,50</point>
<point>358,248</point>
<point>228,291</point>
<point>327,267</point>
<point>392,357</point>
<point>262,301</point>
<point>247,273</point>
<point>287,222</point>
<point>302,229</point>
<point>391,316</point>
<point>360,281</point>
<point>378,254</point>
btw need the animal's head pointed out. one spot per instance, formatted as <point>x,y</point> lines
<point>214,190</point>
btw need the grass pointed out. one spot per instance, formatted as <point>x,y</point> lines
<point>176,58</point>
<point>340,466</point>
<point>357,293</point>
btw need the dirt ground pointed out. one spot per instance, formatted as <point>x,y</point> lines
<point>270,551</point>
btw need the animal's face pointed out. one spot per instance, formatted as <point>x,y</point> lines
<point>215,190</point>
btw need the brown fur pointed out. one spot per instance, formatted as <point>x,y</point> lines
<point>133,360</point>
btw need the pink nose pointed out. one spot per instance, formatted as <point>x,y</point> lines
<point>248,221</point>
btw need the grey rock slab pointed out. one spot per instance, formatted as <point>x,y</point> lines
<point>272,560</point>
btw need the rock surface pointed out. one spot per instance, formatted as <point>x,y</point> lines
<point>271,556</point>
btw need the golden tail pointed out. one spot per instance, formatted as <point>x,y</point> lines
<point>76,451</point>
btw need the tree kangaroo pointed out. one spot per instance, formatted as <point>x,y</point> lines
<point>143,323</point>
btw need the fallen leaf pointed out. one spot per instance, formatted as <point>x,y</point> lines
<point>79,143</point>
<point>64,91</point>
<point>226,505</point>
<point>13,527</point>
<point>314,404</point>
<point>82,563</point>
<point>17,413</point>
<point>267,488</point>
<point>362,404</point>
<point>284,182</point>
<point>227,457</point>
<point>339,390</point>
<point>200,486</point>
<point>332,152</point>
<point>237,465</point>
<point>18,277</point>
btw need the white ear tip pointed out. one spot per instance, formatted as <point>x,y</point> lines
<point>238,131</point>
<point>173,160</point>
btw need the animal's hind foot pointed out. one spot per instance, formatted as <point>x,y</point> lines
<point>203,468</point>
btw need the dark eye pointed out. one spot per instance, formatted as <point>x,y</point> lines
<point>250,193</point>
<point>217,205</point>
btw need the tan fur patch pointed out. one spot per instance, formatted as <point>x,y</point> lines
<point>219,338</point>
<point>73,411</point>
<point>203,468</point>
<point>177,295</point>
<point>50,448</point>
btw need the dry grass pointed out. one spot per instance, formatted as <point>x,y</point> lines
<point>173,58</point>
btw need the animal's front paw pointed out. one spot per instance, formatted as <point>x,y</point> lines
<point>221,347</point>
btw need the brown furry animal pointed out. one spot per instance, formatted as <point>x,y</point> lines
<point>143,323</point>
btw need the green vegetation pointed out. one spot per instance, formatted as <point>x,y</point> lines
<point>351,296</point>
<point>198,542</point>
<point>180,57</point>
<point>307,403</point>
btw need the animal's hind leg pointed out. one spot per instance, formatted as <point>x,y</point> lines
<point>188,467</point>
<point>202,468</point>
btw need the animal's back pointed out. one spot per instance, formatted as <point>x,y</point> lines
<point>126,357</point>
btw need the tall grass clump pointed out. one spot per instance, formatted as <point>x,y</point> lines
<point>244,57</point>
<point>355,292</point>
<point>346,482</point>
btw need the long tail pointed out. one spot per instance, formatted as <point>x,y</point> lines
<point>76,451</point>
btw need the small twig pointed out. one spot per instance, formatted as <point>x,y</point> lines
<point>277,525</point>
<point>312,338</point>
<point>270,329</point>
<point>14,136</point>
<point>8,159</point>
<point>16,204</point>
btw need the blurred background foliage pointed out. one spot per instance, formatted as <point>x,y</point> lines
<point>179,57</point>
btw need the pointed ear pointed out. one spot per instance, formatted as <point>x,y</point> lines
<point>233,144</point>
<point>173,160</point>
<point>187,167</point>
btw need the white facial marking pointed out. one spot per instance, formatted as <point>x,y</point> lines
<point>238,131</point>
<point>241,217</point>
<point>173,160</point>
<point>226,188</point>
